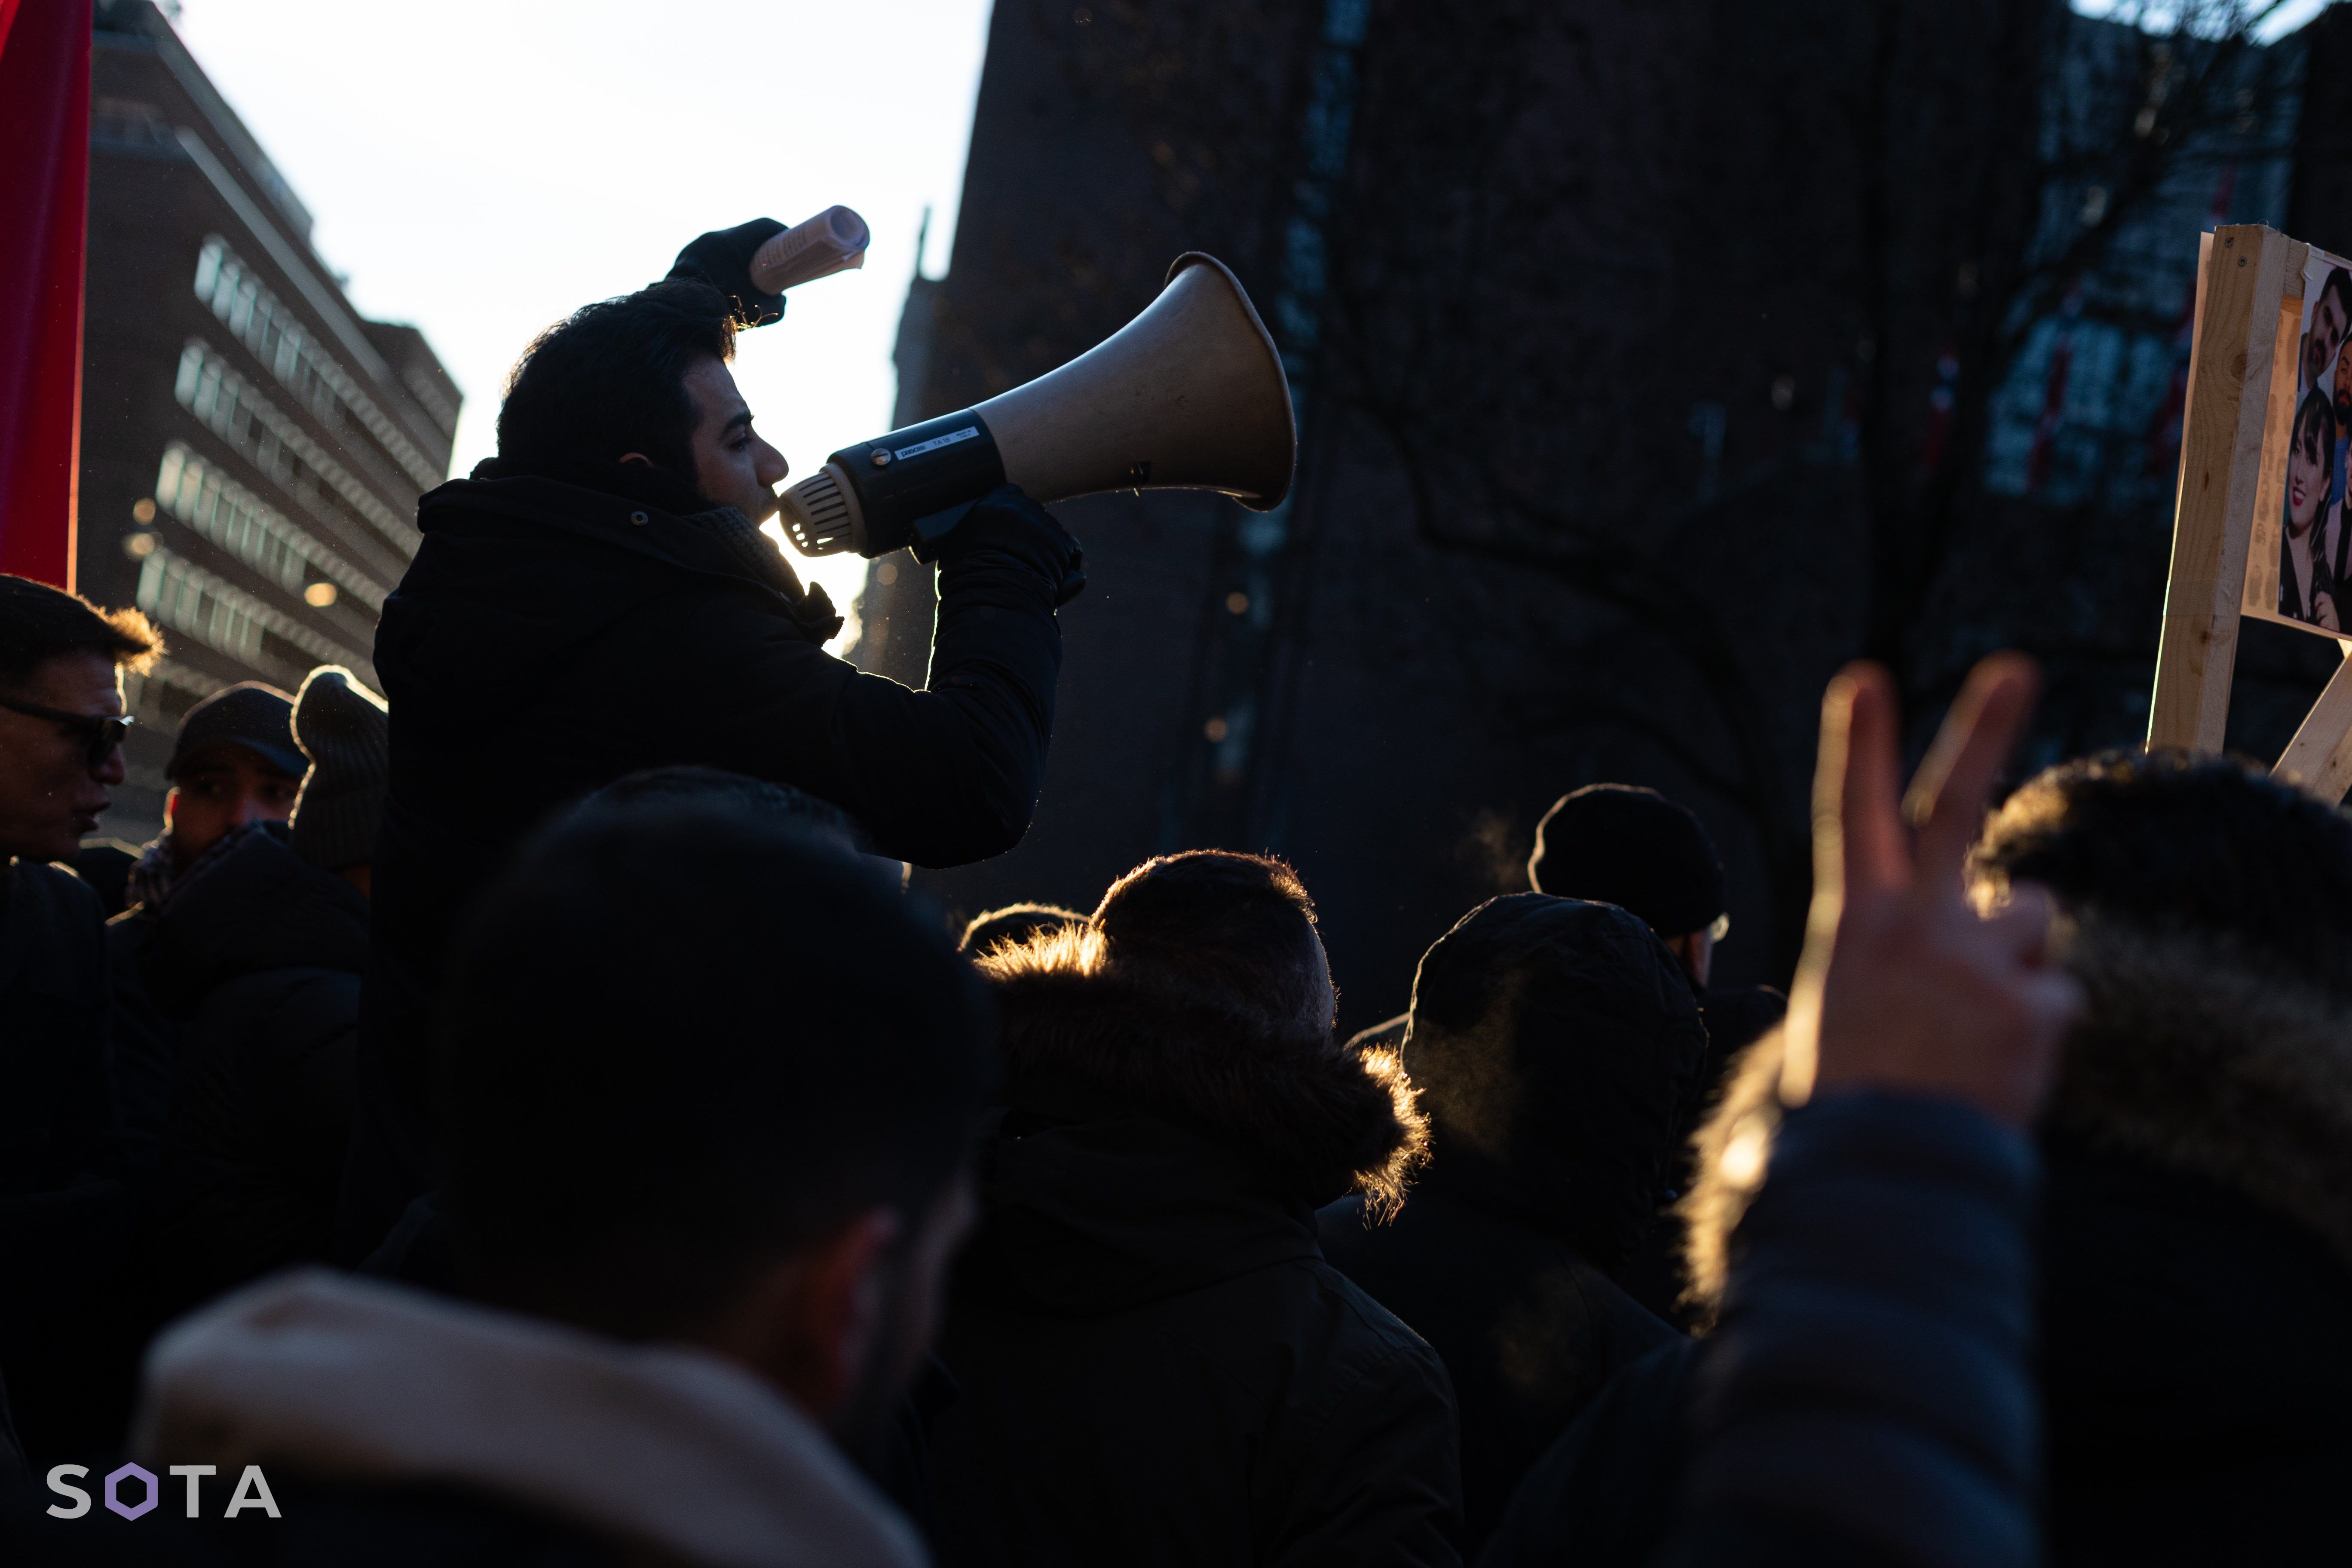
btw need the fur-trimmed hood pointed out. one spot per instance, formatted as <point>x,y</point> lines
<point>1319,1118</point>
<point>2201,1057</point>
<point>2193,1054</point>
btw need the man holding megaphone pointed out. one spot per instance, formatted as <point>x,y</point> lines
<point>598,599</point>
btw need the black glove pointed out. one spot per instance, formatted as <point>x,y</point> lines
<point>1009,523</point>
<point>722,259</point>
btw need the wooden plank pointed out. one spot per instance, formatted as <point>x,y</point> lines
<point>2240,282</point>
<point>2270,489</point>
<point>2319,757</point>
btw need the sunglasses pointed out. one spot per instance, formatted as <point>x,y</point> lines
<point>105,734</point>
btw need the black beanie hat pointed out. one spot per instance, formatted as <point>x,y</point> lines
<point>1618,843</point>
<point>344,730</point>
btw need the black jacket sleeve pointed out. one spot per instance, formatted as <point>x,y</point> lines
<point>942,776</point>
<point>1870,1397</point>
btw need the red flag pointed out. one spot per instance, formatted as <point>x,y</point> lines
<point>44,213</point>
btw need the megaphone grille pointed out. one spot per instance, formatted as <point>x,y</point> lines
<point>818,516</point>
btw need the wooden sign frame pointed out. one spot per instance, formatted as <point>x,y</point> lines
<point>2234,432</point>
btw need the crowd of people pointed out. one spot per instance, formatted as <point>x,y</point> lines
<point>509,1121</point>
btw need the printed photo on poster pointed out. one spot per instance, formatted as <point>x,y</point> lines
<point>2301,555</point>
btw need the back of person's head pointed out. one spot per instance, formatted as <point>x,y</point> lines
<point>1556,1046</point>
<point>610,378</point>
<point>1622,845</point>
<point>683,1039</point>
<point>2180,844</point>
<point>1014,925</point>
<point>1238,928</point>
<point>685,784</point>
<point>39,623</point>
<point>1199,991</point>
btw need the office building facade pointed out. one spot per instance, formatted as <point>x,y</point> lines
<point>252,447</point>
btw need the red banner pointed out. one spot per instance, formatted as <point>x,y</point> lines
<point>44,210</point>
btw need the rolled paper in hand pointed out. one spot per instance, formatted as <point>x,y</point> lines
<point>833,241</point>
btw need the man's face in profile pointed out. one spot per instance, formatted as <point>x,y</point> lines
<point>732,466</point>
<point>2325,336</point>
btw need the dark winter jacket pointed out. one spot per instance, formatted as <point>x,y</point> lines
<point>550,638</point>
<point>1155,1363</point>
<point>261,955</point>
<point>64,1212</point>
<point>1555,1043</point>
<point>56,1108</point>
<point>146,1044</point>
<point>1735,1016</point>
<point>2196,1289</point>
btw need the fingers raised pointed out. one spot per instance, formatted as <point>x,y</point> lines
<point>1946,802</point>
<point>1858,838</point>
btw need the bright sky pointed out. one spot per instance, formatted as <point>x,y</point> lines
<point>482,167</point>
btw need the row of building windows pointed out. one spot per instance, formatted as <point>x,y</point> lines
<point>163,694</point>
<point>186,598</point>
<point>240,522</point>
<point>212,391</point>
<point>262,323</point>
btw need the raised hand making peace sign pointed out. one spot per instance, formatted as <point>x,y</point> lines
<point>1904,985</point>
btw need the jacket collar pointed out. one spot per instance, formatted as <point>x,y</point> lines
<point>358,1380</point>
<point>639,509</point>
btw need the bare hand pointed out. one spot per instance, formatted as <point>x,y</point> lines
<point>1903,986</point>
<point>2323,610</point>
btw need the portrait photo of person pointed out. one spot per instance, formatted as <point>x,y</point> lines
<point>2307,587</point>
<point>2324,333</point>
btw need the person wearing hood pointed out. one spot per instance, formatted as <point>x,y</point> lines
<point>1554,1043</point>
<point>260,953</point>
<point>234,766</point>
<point>616,535</point>
<point>710,1152</point>
<point>1622,845</point>
<point>1156,1366</point>
<point>63,1208</point>
<point>2195,1357</point>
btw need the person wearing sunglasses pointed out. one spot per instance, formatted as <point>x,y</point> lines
<point>62,725</point>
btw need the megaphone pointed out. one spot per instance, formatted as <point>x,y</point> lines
<point>1188,396</point>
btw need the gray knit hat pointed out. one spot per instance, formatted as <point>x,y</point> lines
<point>344,729</point>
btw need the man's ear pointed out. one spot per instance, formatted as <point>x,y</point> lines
<point>636,458</point>
<point>808,1322</point>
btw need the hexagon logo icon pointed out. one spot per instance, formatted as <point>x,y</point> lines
<point>113,1492</point>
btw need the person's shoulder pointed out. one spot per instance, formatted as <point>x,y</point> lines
<point>49,903</point>
<point>1363,1330</point>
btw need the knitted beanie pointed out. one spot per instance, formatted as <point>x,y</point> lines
<point>1620,844</point>
<point>344,729</point>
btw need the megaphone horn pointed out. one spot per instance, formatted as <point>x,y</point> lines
<point>1188,396</point>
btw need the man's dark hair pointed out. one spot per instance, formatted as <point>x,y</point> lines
<point>2339,284</point>
<point>39,623</point>
<point>2181,842</point>
<point>688,785</point>
<point>1240,927</point>
<point>681,1040</point>
<point>2317,416</point>
<point>611,378</point>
